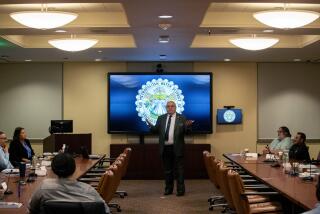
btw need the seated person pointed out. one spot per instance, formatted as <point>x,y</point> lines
<point>63,188</point>
<point>4,154</point>
<point>299,150</point>
<point>316,210</point>
<point>281,143</point>
<point>20,149</point>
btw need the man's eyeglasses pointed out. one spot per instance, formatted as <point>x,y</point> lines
<point>3,138</point>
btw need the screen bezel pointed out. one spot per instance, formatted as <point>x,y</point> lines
<point>154,73</point>
<point>64,124</point>
<point>226,123</point>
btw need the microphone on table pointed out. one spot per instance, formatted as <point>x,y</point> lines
<point>308,178</point>
<point>8,191</point>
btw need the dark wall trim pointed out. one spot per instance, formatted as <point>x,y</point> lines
<point>267,141</point>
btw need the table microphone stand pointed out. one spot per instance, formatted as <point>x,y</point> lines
<point>8,191</point>
<point>308,178</point>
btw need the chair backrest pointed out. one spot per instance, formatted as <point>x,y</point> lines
<point>127,151</point>
<point>58,207</point>
<point>106,190</point>
<point>224,184</point>
<point>123,158</point>
<point>116,168</point>
<point>100,188</point>
<point>208,162</point>
<point>240,202</point>
<point>214,161</point>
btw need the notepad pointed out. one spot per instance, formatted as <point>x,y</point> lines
<point>12,171</point>
<point>45,163</point>
<point>252,155</point>
<point>42,171</point>
<point>4,205</point>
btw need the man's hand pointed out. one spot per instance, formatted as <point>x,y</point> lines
<point>5,149</point>
<point>266,150</point>
<point>189,123</point>
<point>26,160</point>
<point>149,123</point>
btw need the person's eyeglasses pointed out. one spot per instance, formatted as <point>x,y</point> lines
<point>169,106</point>
<point>3,138</point>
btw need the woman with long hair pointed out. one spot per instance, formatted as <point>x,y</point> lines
<point>20,149</point>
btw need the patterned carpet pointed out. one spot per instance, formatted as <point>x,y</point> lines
<point>146,196</point>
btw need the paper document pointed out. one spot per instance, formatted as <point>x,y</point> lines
<point>10,205</point>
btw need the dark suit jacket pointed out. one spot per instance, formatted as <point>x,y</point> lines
<point>299,152</point>
<point>179,131</point>
<point>17,152</point>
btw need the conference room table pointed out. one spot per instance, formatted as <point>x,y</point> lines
<point>82,166</point>
<point>301,193</point>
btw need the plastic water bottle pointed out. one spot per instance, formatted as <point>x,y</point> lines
<point>34,162</point>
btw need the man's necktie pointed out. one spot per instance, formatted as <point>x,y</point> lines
<point>166,135</point>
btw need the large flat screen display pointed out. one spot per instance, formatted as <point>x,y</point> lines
<point>135,97</point>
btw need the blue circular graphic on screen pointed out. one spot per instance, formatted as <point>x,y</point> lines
<point>229,116</point>
<point>153,96</point>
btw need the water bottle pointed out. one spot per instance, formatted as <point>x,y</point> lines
<point>34,162</point>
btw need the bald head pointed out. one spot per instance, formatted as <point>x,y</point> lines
<point>171,107</point>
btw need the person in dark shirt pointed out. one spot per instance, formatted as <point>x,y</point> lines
<point>299,151</point>
<point>20,149</point>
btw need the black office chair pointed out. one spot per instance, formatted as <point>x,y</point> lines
<point>59,207</point>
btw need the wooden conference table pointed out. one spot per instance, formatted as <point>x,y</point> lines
<point>302,193</point>
<point>82,166</point>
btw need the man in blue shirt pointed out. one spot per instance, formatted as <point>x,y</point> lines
<point>281,143</point>
<point>4,155</point>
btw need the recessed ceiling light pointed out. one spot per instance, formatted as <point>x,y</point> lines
<point>99,51</point>
<point>162,56</point>
<point>268,31</point>
<point>97,60</point>
<point>165,17</point>
<point>227,60</point>
<point>28,60</point>
<point>163,39</point>
<point>296,60</point>
<point>60,31</point>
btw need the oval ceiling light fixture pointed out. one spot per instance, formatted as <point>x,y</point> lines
<point>43,19</point>
<point>254,43</point>
<point>286,18</point>
<point>73,44</point>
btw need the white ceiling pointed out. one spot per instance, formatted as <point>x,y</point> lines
<point>142,18</point>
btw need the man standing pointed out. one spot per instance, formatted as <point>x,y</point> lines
<point>171,128</point>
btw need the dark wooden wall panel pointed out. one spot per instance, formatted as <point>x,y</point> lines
<point>146,163</point>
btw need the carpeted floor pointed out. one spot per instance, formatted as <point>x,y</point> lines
<point>146,196</point>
